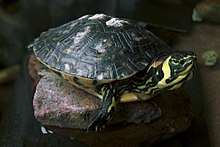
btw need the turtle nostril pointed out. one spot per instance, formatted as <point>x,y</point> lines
<point>194,58</point>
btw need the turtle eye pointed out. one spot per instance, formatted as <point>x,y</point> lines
<point>174,61</point>
<point>177,61</point>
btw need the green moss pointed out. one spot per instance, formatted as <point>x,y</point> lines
<point>210,57</point>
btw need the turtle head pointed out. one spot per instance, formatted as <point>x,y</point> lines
<point>173,70</point>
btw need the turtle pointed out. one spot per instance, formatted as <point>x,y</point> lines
<point>109,57</point>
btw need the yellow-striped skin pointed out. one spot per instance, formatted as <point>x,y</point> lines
<point>164,73</point>
<point>167,72</point>
<point>166,68</point>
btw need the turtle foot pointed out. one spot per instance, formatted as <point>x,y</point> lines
<point>100,121</point>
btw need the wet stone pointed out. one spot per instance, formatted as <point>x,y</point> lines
<point>67,109</point>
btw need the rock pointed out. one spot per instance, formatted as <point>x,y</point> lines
<point>208,10</point>
<point>62,103</point>
<point>66,109</point>
<point>210,57</point>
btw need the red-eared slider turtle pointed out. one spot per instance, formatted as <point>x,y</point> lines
<point>108,56</point>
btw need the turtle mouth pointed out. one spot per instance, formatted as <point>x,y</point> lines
<point>187,74</point>
<point>188,70</point>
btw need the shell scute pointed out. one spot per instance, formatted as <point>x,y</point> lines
<point>98,47</point>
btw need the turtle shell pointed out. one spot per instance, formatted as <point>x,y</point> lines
<point>98,47</point>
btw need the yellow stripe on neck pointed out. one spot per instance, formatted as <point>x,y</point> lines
<point>167,73</point>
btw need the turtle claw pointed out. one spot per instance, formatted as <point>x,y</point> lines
<point>92,128</point>
<point>99,122</point>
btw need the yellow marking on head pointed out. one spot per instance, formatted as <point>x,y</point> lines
<point>167,73</point>
<point>156,64</point>
<point>180,84</point>
<point>187,69</point>
<point>166,68</point>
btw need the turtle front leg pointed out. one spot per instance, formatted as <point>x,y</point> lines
<point>107,110</point>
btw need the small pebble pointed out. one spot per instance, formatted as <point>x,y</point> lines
<point>210,57</point>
